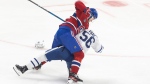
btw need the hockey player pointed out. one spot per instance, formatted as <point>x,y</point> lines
<point>65,35</point>
<point>86,38</point>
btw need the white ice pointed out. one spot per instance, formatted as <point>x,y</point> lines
<point>123,31</point>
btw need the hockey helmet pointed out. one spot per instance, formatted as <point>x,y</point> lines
<point>94,13</point>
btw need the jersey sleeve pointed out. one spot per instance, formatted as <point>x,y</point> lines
<point>82,14</point>
<point>80,6</point>
<point>97,46</point>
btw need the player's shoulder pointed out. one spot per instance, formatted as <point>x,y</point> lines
<point>90,32</point>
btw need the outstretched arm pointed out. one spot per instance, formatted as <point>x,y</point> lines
<point>80,6</point>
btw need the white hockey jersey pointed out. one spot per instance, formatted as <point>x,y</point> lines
<point>88,39</point>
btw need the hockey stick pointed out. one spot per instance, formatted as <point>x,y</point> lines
<point>47,11</point>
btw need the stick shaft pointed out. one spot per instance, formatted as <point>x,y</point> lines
<point>47,11</point>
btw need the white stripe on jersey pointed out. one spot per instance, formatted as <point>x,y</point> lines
<point>72,25</point>
<point>53,49</point>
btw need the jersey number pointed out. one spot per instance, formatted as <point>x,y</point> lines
<point>87,38</point>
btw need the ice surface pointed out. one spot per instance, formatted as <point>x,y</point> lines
<point>124,32</point>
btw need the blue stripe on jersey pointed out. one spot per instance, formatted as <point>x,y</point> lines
<point>74,15</point>
<point>78,22</point>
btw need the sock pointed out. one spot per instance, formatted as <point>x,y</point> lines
<point>78,56</point>
<point>36,61</point>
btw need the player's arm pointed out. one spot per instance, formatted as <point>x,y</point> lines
<point>97,46</point>
<point>80,6</point>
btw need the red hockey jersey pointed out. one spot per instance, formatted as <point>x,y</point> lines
<point>79,20</point>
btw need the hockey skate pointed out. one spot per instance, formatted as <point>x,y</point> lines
<point>20,69</point>
<point>74,79</point>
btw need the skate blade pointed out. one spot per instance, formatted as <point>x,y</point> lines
<point>17,71</point>
<point>79,82</point>
<point>76,83</point>
<point>72,82</point>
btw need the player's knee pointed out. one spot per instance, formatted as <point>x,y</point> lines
<point>79,55</point>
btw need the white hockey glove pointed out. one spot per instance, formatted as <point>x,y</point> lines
<point>39,44</point>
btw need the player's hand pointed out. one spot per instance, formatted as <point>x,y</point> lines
<point>86,10</point>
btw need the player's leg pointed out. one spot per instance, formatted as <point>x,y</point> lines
<point>36,62</point>
<point>58,53</point>
<point>69,41</point>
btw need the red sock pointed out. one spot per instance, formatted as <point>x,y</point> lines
<point>78,56</point>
